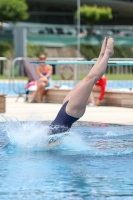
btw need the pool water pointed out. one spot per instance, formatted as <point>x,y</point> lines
<point>93,162</point>
<point>19,87</point>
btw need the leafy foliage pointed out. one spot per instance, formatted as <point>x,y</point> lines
<point>6,49</point>
<point>35,50</point>
<point>91,14</point>
<point>92,51</point>
<point>89,51</point>
<point>13,10</point>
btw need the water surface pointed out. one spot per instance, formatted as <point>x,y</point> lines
<point>92,162</point>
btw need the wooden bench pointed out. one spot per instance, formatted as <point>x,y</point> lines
<point>2,103</point>
<point>111,98</point>
<point>120,99</point>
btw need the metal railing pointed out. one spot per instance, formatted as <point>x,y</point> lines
<point>5,76</point>
<point>119,78</point>
<point>18,79</point>
<point>13,79</point>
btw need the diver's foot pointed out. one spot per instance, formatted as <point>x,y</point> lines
<point>103,47</point>
<point>110,47</point>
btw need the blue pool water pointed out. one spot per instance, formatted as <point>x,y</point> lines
<point>92,162</point>
<point>19,87</point>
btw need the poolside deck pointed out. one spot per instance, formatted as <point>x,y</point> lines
<point>48,111</point>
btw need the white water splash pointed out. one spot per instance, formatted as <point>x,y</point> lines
<point>27,135</point>
<point>75,142</point>
<point>33,135</point>
<point>110,134</point>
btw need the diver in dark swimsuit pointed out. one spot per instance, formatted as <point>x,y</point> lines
<point>75,102</point>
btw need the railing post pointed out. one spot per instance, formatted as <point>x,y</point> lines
<point>6,89</point>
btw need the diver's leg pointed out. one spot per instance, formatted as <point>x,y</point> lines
<point>102,50</point>
<point>98,60</point>
<point>79,96</point>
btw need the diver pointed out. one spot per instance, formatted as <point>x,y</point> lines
<point>75,102</point>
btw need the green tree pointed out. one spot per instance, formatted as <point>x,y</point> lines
<point>92,14</point>
<point>13,10</point>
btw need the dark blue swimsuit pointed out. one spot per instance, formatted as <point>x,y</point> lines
<point>62,122</point>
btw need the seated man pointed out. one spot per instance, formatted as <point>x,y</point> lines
<point>44,71</point>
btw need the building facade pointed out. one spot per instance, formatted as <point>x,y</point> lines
<point>62,11</point>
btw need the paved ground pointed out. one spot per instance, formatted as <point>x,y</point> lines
<point>23,111</point>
